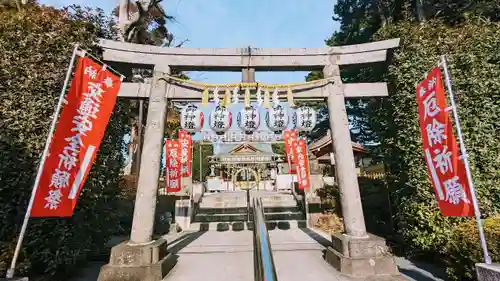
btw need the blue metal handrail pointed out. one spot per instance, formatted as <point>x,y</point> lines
<point>264,269</point>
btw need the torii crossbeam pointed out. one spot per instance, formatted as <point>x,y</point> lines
<point>353,250</point>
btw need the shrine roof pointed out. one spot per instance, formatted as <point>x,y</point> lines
<point>243,149</point>
<point>326,139</point>
<point>228,148</point>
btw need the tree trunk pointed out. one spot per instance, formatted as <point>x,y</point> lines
<point>420,11</point>
<point>123,17</point>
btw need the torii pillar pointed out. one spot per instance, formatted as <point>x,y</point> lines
<point>142,258</point>
<point>355,253</point>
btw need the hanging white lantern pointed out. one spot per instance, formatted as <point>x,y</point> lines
<point>277,118</point>
<point>248,119</point>
<point>192,119</point>
<point>305,119</point>
<point>220,119</point>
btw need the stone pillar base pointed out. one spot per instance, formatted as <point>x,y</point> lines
<point>361,257</point>
<point>175,228</point>
<point>183,211</point>
<point>314,209</point>
<point>127,262</point>
<point>488,272</point>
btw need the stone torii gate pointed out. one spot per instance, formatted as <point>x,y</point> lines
<point>354,252</point>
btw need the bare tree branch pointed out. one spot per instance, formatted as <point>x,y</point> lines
<point>182,43</point>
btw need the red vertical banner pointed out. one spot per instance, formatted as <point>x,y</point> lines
<point>442,154</point>
<point>76,140</point>
<point>302,160</point>
<point>173,169</point>
<point>186,142</point>
<point>290,136</point>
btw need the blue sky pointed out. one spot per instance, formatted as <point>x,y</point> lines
<point>242,23</point>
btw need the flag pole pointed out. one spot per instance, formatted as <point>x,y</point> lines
<point>10,271</point>
<point>191,171</point>
<point>308,190</point>
<point>463,151</point>
<point>200,162</point>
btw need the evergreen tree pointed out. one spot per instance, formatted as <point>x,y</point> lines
<point>467,31</point>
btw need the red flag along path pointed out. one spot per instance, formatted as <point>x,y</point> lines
<point>186,143</point>
<point>173,167</point>
<point>442,154</point>
<point>289,136</point>
<point>300,155</point>
<point>80,129</point>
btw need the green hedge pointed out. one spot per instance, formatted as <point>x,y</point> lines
<point>35,48</point>
<point>376,206</point>
<point>463,250</point>
<point>474,63</point>
<point>375,201</point>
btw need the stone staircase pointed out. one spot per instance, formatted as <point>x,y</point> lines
<point>229,211</point>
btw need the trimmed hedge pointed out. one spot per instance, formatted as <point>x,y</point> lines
<point>474,63</point>
<point>463,250</point>
<point>35,48</point>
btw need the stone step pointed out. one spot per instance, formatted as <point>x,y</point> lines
<point>288,203</point>
<point>239,226</point>
<point>282,224</point>
<point>244,199</point>
<point>223,202</point>
<point>220,217</point>
<point>226,205</point>
<point>271,197</point>
<point>243,210</point>
<point>286,215</point>
<point>275,197</point>
<point>222,206</point>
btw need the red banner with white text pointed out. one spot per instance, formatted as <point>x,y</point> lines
<point>76,140</point>
<point>302,160</point>
<point>186,142</point>
<point>173,167</point>
<point>289,136</point>
<point>442,154</point>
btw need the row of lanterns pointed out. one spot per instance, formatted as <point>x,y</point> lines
<point>248,119</point>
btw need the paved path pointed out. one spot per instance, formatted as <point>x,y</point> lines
<point>418,271</point>
<point>214,255</point>
<point>228,256</point>
<point>299,257</point>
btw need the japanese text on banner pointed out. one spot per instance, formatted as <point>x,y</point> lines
<point>186,143</point>
<point>442,155</point>
<point>173,158</point>
<point>289,137</point>
<point>80,129</point>
<point>301,158</point>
